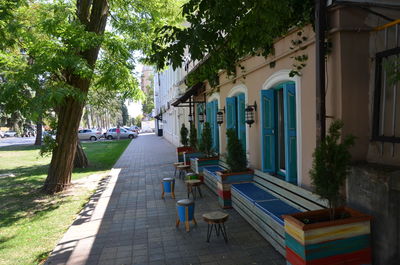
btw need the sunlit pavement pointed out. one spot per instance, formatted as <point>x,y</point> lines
<point>127,222</point>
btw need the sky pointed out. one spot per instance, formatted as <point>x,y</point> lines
<point>135,108</point>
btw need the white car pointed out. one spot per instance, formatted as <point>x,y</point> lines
<point>88,134</point>
<point>1,134</point>
<point>112,134</point>
<point>10,134</point>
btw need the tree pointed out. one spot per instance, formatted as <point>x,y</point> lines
<point>206,140</point>
<point>62,40</point>
<point>184,135</point>
<point>148,104</point>
<point>226,31</point>
<point>236,156</point>
<point>331,165</point>
<point>193,136</point>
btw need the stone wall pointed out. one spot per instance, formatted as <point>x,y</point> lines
<point>375,190</point>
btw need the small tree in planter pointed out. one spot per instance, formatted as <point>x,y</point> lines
<point>333,230</point>
<point>193,136</point>
<point>184,135</point>
<point>206,140</point>
<point>184,141</point>
<point>331,165</point>
<point>236,156</point>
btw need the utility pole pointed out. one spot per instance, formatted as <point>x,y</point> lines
<point>320,51</point>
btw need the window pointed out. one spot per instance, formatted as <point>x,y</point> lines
<point>279,144</point>
<point>211,115</point>
<point>386,116</point>
<point>235,116</point>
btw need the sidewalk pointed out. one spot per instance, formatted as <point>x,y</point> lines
<point>127,222</point>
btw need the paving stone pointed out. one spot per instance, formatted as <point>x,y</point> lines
<point>127,222</point>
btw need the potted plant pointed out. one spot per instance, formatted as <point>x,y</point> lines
<point>185,142</point>
<point>209,158</point>
<point>337,235</point>
<point>237,169</point>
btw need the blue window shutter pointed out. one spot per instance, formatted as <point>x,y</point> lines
<point>215,129</point>
<point>289,102</point>
<point>241,122</point>
<point>231,113</point>
<point>268,137</point>
<point>209,112</point>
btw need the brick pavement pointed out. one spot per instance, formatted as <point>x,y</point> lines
<point>127,222</point>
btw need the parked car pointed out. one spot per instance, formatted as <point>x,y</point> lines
<point>135,129</point>
<point>1,134</point>
<point>51,134</point>
<point>89,134</point>
<point>112,133</point>
<point>135,132</point>
<point>10,134</point>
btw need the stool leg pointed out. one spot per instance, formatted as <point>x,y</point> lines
<point>173,195</point>
<point>175,173</point>
<point>223,230</point>
<point>187,226</point>
<point>209,231</point>
<point>194,221</point>
<point>199,190</point>
<point>162,194</point>
<point>177,222</point>
<point>218,228</point>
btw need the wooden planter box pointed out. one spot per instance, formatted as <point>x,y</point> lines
<point>183,149</point>
<point>325,242</point>
<point>198,163</point>
<point>224,181</point>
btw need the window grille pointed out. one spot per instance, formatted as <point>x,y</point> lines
<point>386,116</point>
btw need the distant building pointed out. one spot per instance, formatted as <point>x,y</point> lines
<point>146,78</point>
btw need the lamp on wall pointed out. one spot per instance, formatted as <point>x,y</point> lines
<point>249,111</point>
<point>190,117</point>
<point>201,117</point>
<point>220,116</point>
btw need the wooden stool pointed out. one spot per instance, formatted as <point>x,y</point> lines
<point>183,169</point>
<point>176,167</point>
<point>168,185</point>
<point>185,213</point>
<point>216,220</point>
<point>193,184</point>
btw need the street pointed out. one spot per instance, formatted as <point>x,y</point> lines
<point>8,141</point>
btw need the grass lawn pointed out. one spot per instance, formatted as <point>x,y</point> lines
<point>31,223</point>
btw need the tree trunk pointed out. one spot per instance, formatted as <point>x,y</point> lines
<point>93,14</point>
<point>81,160</point>
<point>39,131</point>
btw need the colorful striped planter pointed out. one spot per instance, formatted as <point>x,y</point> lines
<point>342,241</point>
<point>183,149</point>
<point>225,180</point>
<point>198,163</point>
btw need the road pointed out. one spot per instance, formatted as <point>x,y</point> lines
<point>8,141</point>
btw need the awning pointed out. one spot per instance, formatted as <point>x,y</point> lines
<point>190,92</point>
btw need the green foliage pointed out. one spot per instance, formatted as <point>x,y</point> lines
<point>47,146</point>
<point>236,156</point>
<point>331,164</point>
<point>206,140</point>
<point>148,104</point>
<point>243,28</point>
<point>193,136</point>
<point>184,135</point>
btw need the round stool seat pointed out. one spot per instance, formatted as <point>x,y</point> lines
<point>168,179</point>
<point>193,182</point>
<point>216,220</point>
<point>178,164</point>
<point>216,217</point>
<point>185,202</point>
<point>182,167</point>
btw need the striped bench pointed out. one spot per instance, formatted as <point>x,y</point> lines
<point>263,202</point>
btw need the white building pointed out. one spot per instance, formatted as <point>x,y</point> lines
<point>169,85</point>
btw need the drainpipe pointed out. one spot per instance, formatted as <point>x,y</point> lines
<point>320,29</point>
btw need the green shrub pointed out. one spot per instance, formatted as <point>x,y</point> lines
<point>331,165</point>
<point>193,136</point>
<point>184,135</point>
<point>206,140</point>
<point>236,156</point>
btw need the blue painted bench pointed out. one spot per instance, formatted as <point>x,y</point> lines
<point>211,178</point>
<point>263,202</point>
